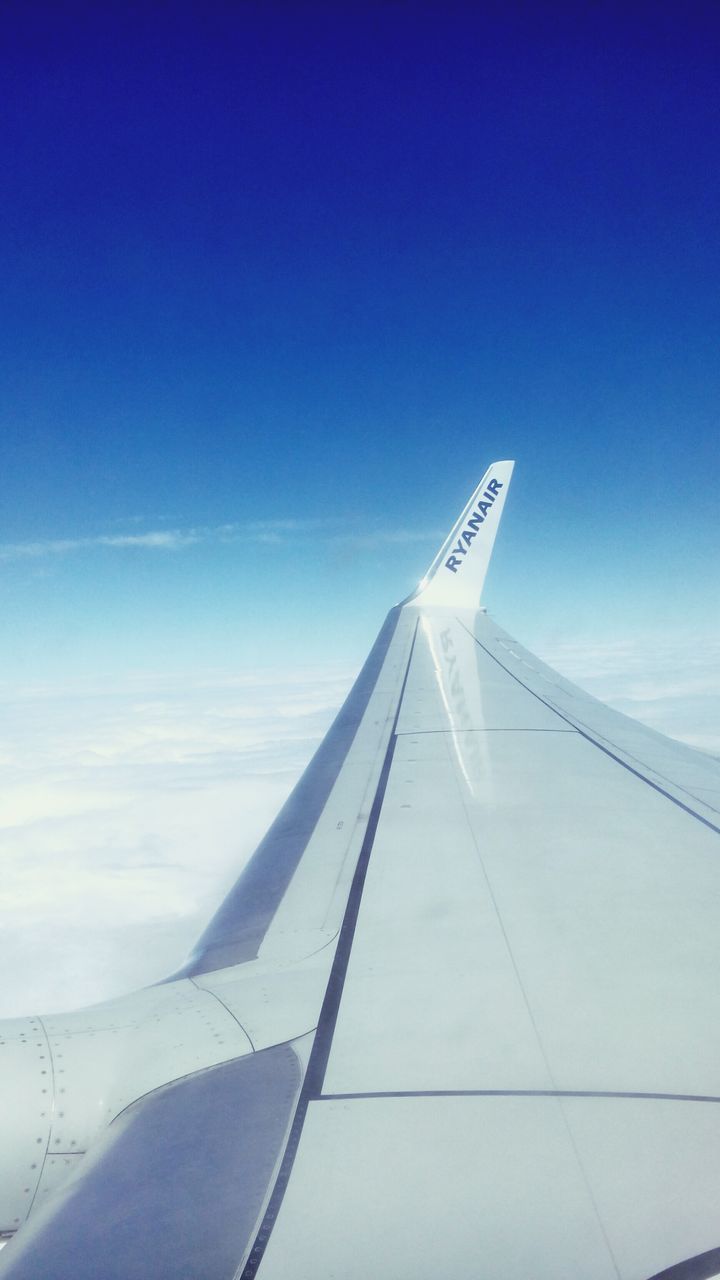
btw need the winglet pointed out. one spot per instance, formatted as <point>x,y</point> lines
<point>457,574</point>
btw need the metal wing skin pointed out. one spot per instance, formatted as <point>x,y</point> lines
<point>459,1016</point>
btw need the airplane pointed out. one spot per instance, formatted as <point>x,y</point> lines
<point>459,1016</point>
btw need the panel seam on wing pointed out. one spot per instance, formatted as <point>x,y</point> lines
<point>589,737</point>
<point>214,994</point>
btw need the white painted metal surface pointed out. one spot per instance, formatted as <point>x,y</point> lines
<point>104,1060</point>
<point>534,915</point>
<point>504,1188</point>
<point>457,574</point>
<point>26,1102</point>
<point>428,1187</point>
<point>431,998</point>
<point>274,1002</point>
<point>311,911</point>
<point>453,686</point>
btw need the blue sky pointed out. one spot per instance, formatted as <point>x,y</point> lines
<point>320,264</point>
<point>278,281</point>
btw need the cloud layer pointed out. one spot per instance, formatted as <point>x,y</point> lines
<point>127,814</point>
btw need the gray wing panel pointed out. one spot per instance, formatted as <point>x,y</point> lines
<point>175,1190</point>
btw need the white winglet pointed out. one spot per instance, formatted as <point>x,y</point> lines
<point>457,574</point>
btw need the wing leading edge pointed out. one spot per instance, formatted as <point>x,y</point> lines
<point>472,963</point>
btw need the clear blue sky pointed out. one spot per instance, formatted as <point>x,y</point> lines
<point>278,281</point>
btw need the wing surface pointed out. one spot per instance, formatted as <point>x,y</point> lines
<point>477,960</point>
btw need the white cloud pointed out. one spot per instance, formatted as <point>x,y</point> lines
<point>388,537</point>
<point>165,539</point>
<point>162,539</point>
<point>128,813</point>
<point>258,531</point>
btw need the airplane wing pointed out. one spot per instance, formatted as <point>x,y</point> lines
<point>459,1016</point>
